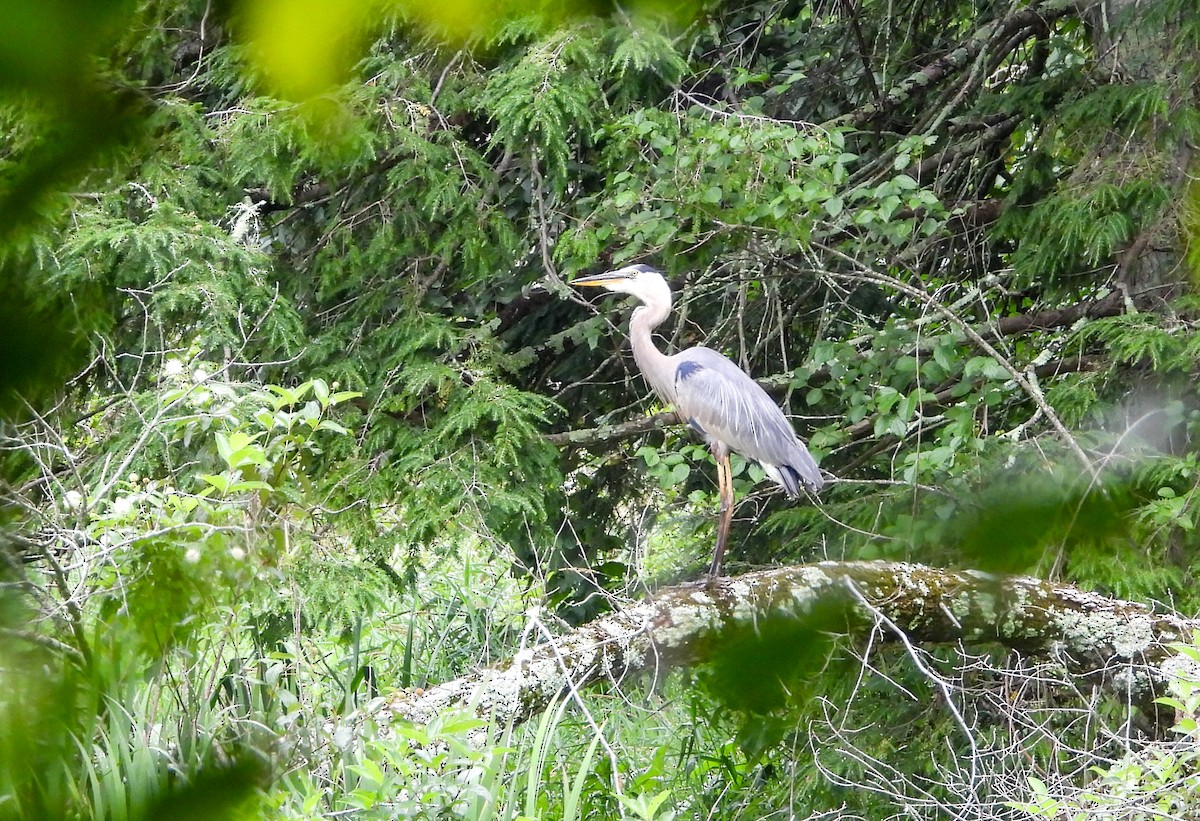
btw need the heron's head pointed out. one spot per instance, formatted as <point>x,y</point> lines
<point>642,281</point>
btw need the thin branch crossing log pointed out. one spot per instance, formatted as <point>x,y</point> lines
<point>1117,643</point>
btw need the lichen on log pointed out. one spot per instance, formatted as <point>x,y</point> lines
<point>1121,643</point>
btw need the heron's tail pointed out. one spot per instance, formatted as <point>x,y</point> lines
<point>801,470</point>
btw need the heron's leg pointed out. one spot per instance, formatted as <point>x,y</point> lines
<point>725,489</point>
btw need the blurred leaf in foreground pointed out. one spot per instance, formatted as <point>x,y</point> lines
<point>48,72</point>
<point>1021,520</point>
<point>766,666</point>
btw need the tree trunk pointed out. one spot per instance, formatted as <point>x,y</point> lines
<point>1136,45</point>
<point>1117,643</point>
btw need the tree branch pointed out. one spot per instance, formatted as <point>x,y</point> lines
<point>1115,643</point>
<point>1031,388</point>
<point>1111,305</point>
<point>920,81</point>
<point>602,435</point>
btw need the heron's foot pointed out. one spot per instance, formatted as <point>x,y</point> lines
<point>714,573</point>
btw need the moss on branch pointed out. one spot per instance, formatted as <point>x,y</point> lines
<point>1118,642</point>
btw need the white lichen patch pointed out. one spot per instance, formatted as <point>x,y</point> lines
<point>497,692</point>
<point>917,586</point>
<point>1131,679</point>
<point>1021,598</point>
<point>739,588</point>
<point>738,605</point>
<point>1135,637</point>
<point>1084,631</point>
<point>809,585</point>
<point>1181,668</point>
<point>686,621</point>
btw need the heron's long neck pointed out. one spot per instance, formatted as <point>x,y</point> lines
<point>650,360</point>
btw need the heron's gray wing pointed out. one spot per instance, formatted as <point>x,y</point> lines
<point>723,403</point>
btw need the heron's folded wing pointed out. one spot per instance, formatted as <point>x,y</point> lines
<point>717,397</point>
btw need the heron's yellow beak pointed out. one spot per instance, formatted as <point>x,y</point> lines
<point>601,280</point>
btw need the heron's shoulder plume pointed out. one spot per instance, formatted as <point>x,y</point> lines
<point>687,368</point>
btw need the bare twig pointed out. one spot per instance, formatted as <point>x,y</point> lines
<point>867,274</point>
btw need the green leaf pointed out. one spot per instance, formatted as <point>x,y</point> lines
<point>886,398</point>
<point>679,474</point>
<point>944,355</point>
<point>224,448</point>
<point>248,484</point>
<point>220,482</point>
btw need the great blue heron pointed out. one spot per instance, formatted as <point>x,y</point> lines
<point>714,396</point>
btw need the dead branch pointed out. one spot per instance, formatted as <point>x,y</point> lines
<point>1120,644</point>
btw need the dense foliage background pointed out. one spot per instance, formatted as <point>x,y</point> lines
<point>300,407</point>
